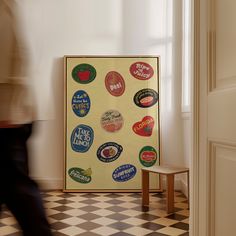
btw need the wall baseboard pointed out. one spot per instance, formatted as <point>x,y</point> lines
<point>49,184</point>
<point>55,184</point>
<point>184,188</point>
<point>180,185</point>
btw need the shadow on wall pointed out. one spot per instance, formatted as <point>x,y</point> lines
<point>47,141</point>
<point>57,85</point>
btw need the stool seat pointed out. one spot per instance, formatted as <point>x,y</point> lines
<point>166,170</point>
<point>170,172</point>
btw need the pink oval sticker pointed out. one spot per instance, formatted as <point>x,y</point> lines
<point>141,70</point>
<point>115,83</point>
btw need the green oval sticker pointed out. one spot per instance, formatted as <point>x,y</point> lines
<point>148,156</point>
<point>84,73</point>
<point>80,175</point>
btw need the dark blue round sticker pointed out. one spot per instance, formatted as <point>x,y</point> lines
<point>109,152</point>
<point>82,138</point>
<point>124,173</point>
<point>80,103</point>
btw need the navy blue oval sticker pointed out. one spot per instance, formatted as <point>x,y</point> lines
<point>82,138</point>
<point>124,173</point>
<point>109,152</point>
<point>81,103</point>
<point>146,98</point>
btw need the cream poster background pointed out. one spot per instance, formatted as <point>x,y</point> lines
<point>101,101</point>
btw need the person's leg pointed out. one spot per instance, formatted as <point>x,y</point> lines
<point>26,205</point>
<point>3,180</point>
<point>22,195</point>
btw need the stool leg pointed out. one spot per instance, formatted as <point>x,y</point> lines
<point>188,187</point>
<point>145,187</point>
<point>170,193</point>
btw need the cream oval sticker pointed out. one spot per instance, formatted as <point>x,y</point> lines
<point>112,121</point>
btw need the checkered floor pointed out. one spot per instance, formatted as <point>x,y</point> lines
<point>114,214</point>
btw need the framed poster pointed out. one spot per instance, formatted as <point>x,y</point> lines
<point>112,124</point>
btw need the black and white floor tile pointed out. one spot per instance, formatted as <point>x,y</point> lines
<point>107,214</point>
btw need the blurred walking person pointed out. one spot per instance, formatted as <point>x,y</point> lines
<point>17,190</point>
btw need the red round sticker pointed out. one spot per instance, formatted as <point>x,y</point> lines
<point>141,70</point>
<point>115,83</point>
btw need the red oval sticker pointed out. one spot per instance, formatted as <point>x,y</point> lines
<point>115,83</point>
<point>148,156</point>
<point>141,70</point>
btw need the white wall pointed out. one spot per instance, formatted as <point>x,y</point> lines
<point>187,88</point>
<point>56,28</point>
<point>187,151</point>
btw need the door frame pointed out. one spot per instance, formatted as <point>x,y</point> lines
<point>202,211</point>
<point>194,168</point>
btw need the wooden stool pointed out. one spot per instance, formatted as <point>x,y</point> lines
<point>170,174</point>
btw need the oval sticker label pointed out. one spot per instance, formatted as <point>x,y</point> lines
<point>112,121</point>
<point>84,73</point>
<point>144,127</point>
<point>148,156</point>
<point>124,173</point>
<point>141,70</point>
<point>80,175</point>
<point>109,152</point>
<point>115,83</point>
<point>146,98</point>
<point>81,103</point>
<point>82,138</point>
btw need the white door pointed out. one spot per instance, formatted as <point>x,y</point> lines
<point>214,162</point>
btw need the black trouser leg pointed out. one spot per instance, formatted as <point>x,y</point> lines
<point>18,191</point>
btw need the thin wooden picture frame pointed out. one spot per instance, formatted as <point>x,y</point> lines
<point>111,122</point>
